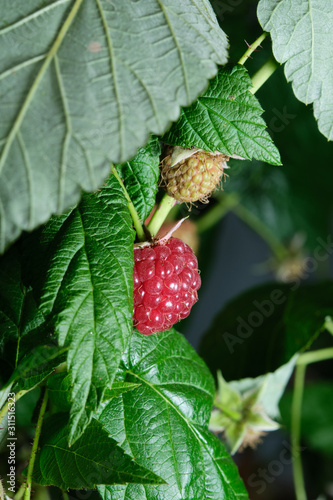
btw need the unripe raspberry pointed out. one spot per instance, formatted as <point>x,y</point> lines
<point>192,175</point>
<point>165,281</point>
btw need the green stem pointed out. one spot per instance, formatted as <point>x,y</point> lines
<point>314,356</point>
<point>160,214</point>
<point>60,368</point>
<point>225,204</point>
<point>262,230</point>
<point>296,410</point>
<point>35,447</point>
<point>260,77</point>
<point>133,212</point>
<point>4,409</point>
<point>65,495</point>
<point>252,48</point>
<point>20,492</point>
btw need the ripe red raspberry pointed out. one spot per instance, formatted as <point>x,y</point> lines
<point>192,175</point>
<point>166,280</point>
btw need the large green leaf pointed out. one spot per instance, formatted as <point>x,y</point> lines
<point>93,459</point>
<point>141,176</point>
<point>59,388</point>
<point>264,327</point>
<point>226,118</point>
<point>83,83</point>
<point>302,38</point>
<point>82,272</point>
<point>33,369</point>
<point>163,423</point>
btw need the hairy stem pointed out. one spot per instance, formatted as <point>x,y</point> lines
<point>136,221</point>
<point>262,75</point>
<point>35,447</point>
<point>252,48</point>
<point>160,214</point>
<point>296,411</point>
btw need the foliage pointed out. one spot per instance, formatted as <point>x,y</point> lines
<point>297,41</point>
<point>84,84</point>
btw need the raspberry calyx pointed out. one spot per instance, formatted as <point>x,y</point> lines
<point>165,284</point>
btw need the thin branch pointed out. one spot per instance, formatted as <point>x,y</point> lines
<point>35,447</point>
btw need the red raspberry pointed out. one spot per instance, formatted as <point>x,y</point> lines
<point>166,280</point>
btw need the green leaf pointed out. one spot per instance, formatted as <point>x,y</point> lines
<point>85,83</point>
<point>140,176</point>
<point>60,387</point>
<point>36,366</point>
<point>25,407</point>
<point>316,418</point>
<point>163,423</point>
<point>18,311</point>
<point>226,118</point>
<point>83,274</point>
<point>119,388</point>
<point>305,314</point>
<point>11,297</point>
<point>264,327</point>
<point>93,459</point>
<point>299,33</point>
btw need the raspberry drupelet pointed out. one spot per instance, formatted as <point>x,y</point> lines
<point>165,282</point>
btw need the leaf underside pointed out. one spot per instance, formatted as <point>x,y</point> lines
<point>83,83</point>
<point>226,118</point>
<point>302,38</point>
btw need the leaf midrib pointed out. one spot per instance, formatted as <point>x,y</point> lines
<point>190,425</point>
<point>21,115</point>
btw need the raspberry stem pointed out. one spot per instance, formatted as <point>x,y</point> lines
<point>266,70</point>
<point>260,77</point>
<point>161,214</point>
<point>134,214</point>
<point>252,48</point>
